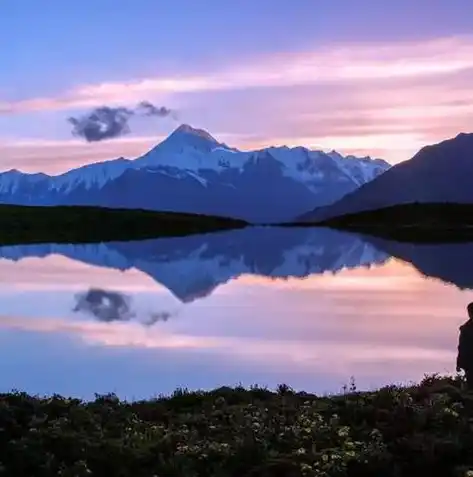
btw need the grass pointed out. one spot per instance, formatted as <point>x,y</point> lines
<point>31,224</point>
<point>416,222</point>
<point>422,430</point>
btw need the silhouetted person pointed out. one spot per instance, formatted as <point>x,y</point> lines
<point>465,348</point>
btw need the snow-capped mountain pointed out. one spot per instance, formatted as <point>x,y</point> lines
<point>192,267</point>
<point>190,171</point>
<point>437,173</point>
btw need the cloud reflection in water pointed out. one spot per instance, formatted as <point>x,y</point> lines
<point>313,329</point>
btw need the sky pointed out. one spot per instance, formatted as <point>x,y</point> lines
<point>363,77</point>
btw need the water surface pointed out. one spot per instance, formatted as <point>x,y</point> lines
<point>306,307</point>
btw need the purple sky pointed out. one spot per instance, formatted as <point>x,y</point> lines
<point>367,77</point>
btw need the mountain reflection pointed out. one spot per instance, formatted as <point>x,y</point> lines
<point>192,267</point>
<point>449,262</point>
<point>383,323</point>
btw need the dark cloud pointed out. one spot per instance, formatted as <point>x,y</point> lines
<point>107,122</point>
<point>104,305</point>
<point>109,306</point>
<point>159,316</point>
<point>102,123</point>
<point>148,109</point>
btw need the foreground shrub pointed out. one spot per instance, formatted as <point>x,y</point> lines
<point>419,430</point>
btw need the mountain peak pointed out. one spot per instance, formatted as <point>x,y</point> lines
<point>464,134</point>
<point>186,129</point>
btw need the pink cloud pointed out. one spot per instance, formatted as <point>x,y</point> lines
<point>337,63</point>
<point>59,156</point>
<point>314,354</point>
<point>385,100</point>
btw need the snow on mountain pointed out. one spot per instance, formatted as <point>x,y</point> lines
<point>91,175</point>
<point>192,267</point>
<point>190,171</point>
<point>190,149</point>
<point>12,180</point>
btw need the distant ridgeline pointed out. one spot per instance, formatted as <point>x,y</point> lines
<point>433,189</point>
<point>192,172</point>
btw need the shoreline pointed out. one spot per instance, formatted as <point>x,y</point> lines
<point>88,224</point>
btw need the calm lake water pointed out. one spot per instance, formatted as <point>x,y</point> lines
<point>306,307</point>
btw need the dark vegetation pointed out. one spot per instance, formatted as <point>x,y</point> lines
<point>416,222</point>
<point>423,430</point>
<point>32,224</point>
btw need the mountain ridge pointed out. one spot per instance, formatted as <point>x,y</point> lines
<point>437,173</point>
<point>190,171</point>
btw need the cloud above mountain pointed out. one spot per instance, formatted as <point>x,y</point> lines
<point>385,99</point>
<point>102,123</point>
<point>149,109</point>
<point>108,122</point>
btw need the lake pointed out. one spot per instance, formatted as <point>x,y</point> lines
<point>307,307</point>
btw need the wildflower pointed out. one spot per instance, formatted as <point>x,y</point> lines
<point>181,448</point>
<point>343,431</point>
<point>451,412</point>
<point>305,468</point>
<point>376,434</point>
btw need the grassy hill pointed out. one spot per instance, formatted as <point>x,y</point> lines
<point>416,222</point>
<point>31,224</point>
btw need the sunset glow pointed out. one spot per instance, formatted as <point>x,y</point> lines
<point>375,92</point>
